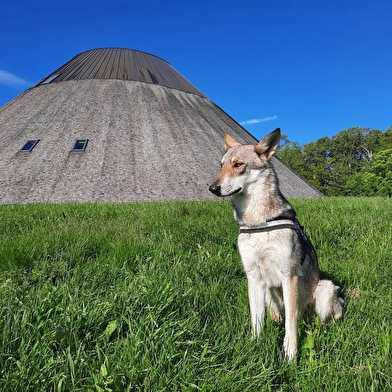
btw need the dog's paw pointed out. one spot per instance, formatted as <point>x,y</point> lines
<point>290,355</point>
<point>290,349</point>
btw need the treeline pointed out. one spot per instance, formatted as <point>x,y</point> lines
<point>354,162</point>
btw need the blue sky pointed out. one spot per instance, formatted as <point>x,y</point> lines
<point>310,67</point>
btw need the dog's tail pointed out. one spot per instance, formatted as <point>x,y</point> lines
<point>327,302</point>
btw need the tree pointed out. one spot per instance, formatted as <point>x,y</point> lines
<point>356,161</point>
<point>291,154</point>
<point>362,184</point>
<point>317,163</point>
<point>386,139</point>
<point>371,143</point>
<point>382,168</point>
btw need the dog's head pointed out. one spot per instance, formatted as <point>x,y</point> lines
<point>241,164</point>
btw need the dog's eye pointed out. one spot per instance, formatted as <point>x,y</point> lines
<point>238,164</point>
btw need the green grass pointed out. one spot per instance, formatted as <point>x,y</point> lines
<point>153,297</point>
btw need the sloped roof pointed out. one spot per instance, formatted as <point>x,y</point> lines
<point>146,141</point>
<point>121,64</point>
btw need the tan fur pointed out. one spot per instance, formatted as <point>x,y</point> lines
<point>281,266</point>
<point>230,141</point>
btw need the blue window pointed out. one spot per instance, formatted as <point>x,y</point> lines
<point>29,145</point>
<point>80,145</point>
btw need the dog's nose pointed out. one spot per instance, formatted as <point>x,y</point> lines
<point>215,189</point>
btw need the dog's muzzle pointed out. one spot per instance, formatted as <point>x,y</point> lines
<point>216,190</point>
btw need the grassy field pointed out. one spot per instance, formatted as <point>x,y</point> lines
<point>153,297</point>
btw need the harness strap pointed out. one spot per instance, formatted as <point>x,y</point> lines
<point>292,224</point>
<point>269,228</point>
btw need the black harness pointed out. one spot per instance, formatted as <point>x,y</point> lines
<point>306,245</point>
<point>294,225</point>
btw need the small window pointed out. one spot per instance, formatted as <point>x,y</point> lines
<point>80,145</point>
<point>153,77</point>
<point>29,145</point>
<point>50,79</point>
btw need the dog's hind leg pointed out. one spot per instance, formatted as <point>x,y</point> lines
<point>256,293</point>
<point>290,297</point>
<point>274,302</point>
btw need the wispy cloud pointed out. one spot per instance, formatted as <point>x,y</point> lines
<point>9,79</point>
<point>258,120</point>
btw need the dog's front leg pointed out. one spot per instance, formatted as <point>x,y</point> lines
<point>256,293</point>
<point>290,297</point>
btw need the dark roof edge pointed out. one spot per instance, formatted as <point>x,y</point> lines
<point>115,47</point>
<point>91,50</point>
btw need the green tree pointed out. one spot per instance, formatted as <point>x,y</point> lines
<point>382,167</point>
<point>355,161</point>
<point>351,152</point>
<point>362,184</point>
<point>317,163</point>
<point>386,139</point>
<point>371,143</point>
<point>291,154</point>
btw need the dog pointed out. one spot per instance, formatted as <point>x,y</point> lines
<point>279,260</point>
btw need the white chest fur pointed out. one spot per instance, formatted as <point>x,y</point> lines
<point>267,255</point>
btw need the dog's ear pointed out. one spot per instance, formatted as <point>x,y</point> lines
<point>266,148</point>
<point>230,142</point>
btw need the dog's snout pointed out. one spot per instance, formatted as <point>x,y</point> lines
<point>215,189</point>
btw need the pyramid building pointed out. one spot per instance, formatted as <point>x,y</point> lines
<point>117,125</point>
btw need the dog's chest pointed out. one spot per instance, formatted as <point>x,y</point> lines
<point>266,255</point>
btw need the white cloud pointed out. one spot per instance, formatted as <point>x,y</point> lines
<point>9,79</point>
<point>258,120</point>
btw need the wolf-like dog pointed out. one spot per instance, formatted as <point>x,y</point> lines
<point>279,260</point>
